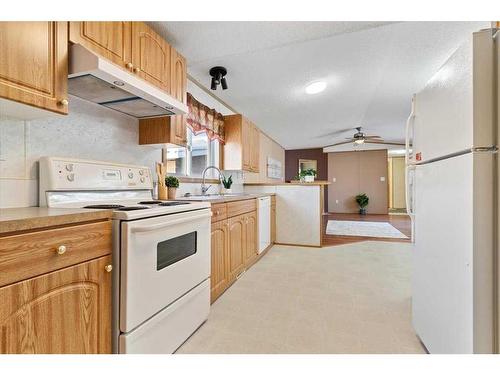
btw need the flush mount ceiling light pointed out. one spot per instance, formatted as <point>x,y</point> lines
<point>315,87</point>
<point>218,74</point>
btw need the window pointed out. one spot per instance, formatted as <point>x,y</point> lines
<point>190,161</point>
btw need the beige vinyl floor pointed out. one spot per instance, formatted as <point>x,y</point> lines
<point>352,298</point>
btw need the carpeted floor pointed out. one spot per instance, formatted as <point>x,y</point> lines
<point>352,298</point>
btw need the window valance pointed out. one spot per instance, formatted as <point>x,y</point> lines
<point>201,118</point>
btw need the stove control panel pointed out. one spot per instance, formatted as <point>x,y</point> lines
<point>73,174</point>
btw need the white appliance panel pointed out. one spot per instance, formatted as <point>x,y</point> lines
<point>166,331</point>
<point>443,256</point>
<point>147,286</point>
<point>264,223</point>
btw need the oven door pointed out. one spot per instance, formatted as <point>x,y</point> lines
<point>162,258</point>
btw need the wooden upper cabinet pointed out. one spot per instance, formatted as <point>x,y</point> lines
<point>254,150</point>
<point>150,56</point>
<point>219,276</point>
<point>66,311</point>
<point>241,150</point>
<point>111,40</point>
<point>34,64</point>
<point>178,74</point>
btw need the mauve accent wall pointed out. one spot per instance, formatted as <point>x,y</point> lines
<point>292,164</point>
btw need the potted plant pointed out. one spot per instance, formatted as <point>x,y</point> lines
<point>226,183</point>
<point>307,175</point>
<point>362,201</point>
<point>172,183</point>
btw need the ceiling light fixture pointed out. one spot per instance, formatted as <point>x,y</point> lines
<point>218,74</point>
<point>359,141</point>
<point>315,87</point>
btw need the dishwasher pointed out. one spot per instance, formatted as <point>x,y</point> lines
<point>264,210</point>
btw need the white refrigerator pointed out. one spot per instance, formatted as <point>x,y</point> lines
<point>452,182</point>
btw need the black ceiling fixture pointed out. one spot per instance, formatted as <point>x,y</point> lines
<point>218,74</point>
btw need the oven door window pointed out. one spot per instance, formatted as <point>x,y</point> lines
<point>175,249</point>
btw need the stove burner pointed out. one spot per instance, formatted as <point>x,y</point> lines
<point>109,206</point>
<point>172,203</point>
<point>132,208</point>
<point>150,202</point>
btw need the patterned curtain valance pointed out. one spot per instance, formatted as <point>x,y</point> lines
<point>204,119</point>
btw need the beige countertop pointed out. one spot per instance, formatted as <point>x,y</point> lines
<point>29,218</point>
<point>232,198</point>
<point>315,183</point>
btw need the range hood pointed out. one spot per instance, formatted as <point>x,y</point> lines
<point>96,79</point>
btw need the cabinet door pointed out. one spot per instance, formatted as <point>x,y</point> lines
<point>178,74</point>
<point>254,152</point>
<point>178,130</point>
<point>219,277</point>
<point>111,40</point>
<point>251,237</point>
<point>34,64</point>
<point>150,56</point>
<point>66,311</point>
<point>246,144</point>
<point>236,257</point>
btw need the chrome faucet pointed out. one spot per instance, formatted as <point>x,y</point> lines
<point>204,187</point>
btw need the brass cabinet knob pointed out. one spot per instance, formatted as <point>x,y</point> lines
<point>137,70</point>
<point>64,102</point>
<point>108,268</point>
<point>217,212</point>
<point>61,250</point>
<point>129,65</point>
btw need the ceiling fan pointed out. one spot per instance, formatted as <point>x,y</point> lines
<point>359,137</point>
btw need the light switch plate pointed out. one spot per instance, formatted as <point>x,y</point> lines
<point>334,179</point>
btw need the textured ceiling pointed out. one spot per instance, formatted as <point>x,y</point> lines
<point>371,68</point>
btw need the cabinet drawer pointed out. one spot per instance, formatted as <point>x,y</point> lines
<point>27,255</point>
<point>219,212</point>
<point>240,207</point>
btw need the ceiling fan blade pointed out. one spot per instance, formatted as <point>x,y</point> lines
<point>381,142</point>
<point>335,132</point>
<point>337,144</point>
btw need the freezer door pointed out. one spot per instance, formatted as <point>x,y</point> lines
<point>454,111</point>
<point>452,280</point>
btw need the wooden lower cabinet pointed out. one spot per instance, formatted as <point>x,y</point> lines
<point>251,238</point>
<point>65,311</point>
<point>273,219</point>
<point>219,278</point>
<point>234,244</point>
<point>237,248</point>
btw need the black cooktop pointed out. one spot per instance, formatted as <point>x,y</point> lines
<point>172,203</point>
<point>132,208</point>
<point>104,206</point>
<point>150,202</point>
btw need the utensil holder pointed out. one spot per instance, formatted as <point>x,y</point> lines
<point>162,192</point>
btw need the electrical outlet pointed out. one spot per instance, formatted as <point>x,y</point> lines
<point>382,179</point>
<point>336,201</point>
<point>334,179</point>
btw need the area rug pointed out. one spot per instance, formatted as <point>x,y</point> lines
<point>362,229</point>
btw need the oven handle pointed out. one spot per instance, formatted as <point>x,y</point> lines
<point>153,227</point>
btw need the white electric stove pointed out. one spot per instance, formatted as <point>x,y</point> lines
<point>161,250</point>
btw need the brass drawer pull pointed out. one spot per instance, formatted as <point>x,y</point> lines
<point>108,268</point>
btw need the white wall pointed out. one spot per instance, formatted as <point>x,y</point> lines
<point>90,131</point>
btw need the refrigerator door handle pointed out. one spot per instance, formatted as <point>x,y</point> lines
<point>408,166</point>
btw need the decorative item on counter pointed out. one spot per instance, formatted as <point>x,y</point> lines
<point>172,184</point>
<point>362,201</point>
<point>307,175</point>
<point>226,183</point>
<point>161,171</point>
